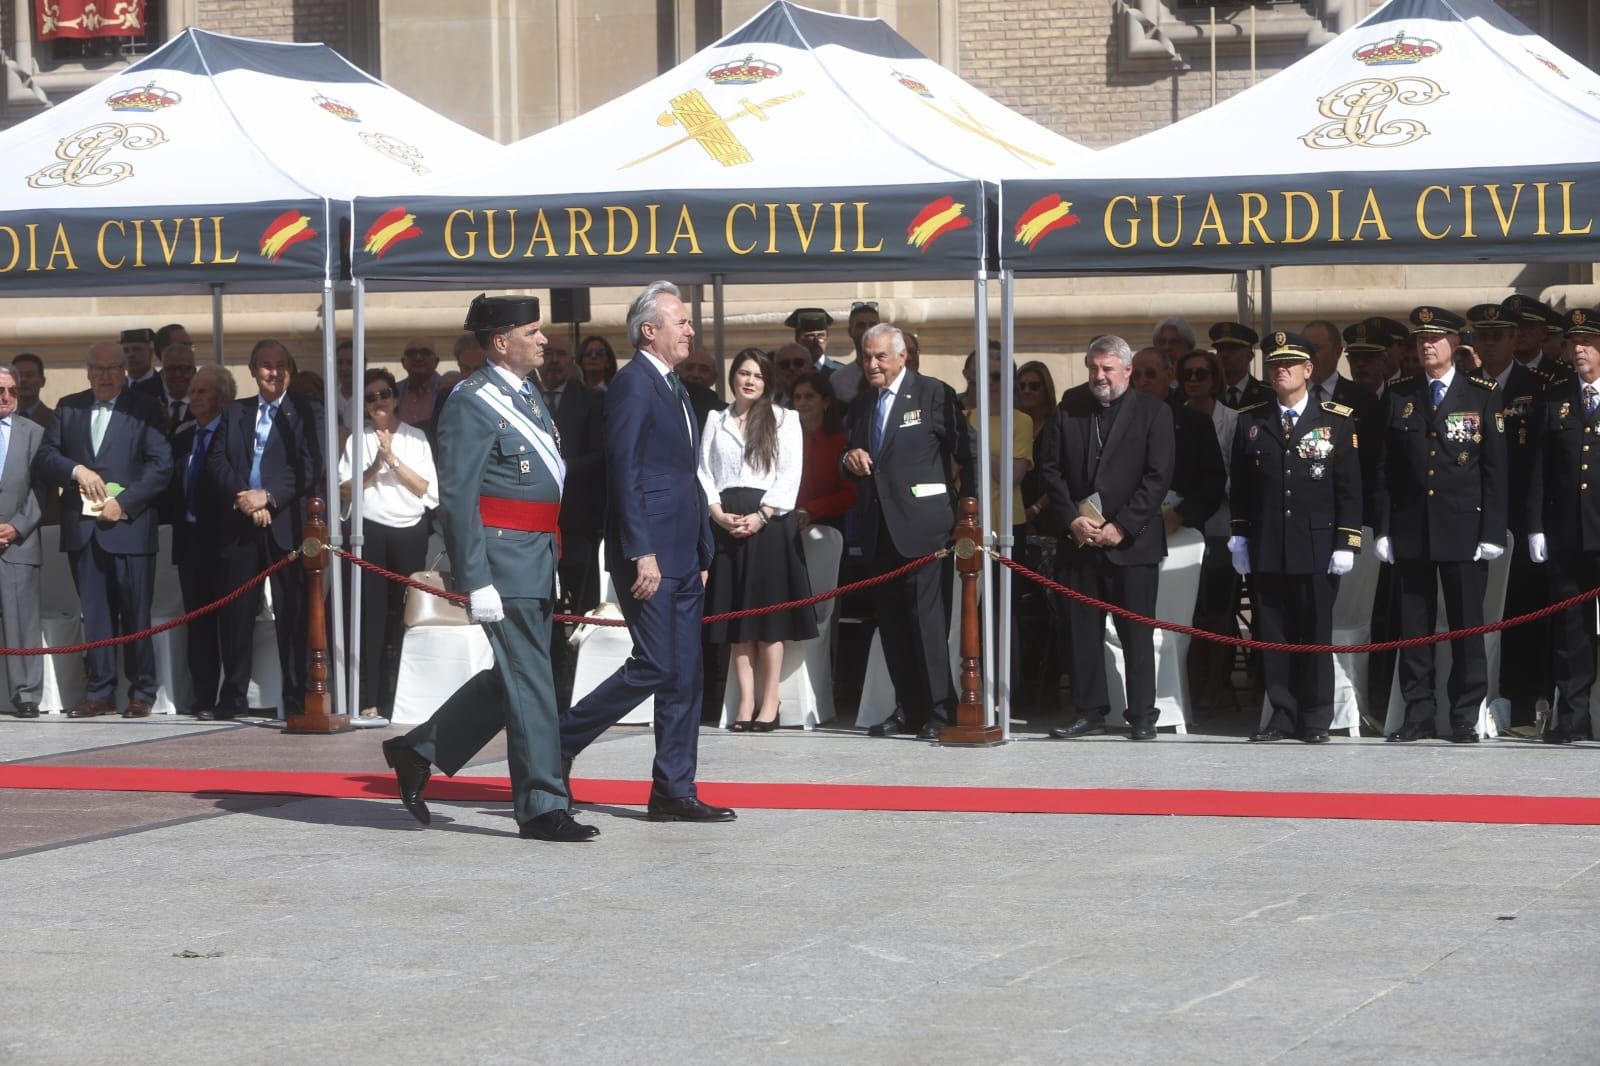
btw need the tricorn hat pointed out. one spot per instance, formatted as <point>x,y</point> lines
<point>808,319</point>
<point>490,314</point>
<point>137,336</point>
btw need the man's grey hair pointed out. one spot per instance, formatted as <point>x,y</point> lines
<point>218,377</point>
<point>897,339</point>
<point>646,309</point>
<point>1109,345</point>
<point>1177,322</point>
<point>6,371</point>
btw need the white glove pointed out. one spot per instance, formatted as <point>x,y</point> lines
<point>1239,548</point>
<point>1342,563</point>
<point>1487,551</point>
<point>1538,550</point>
<point>1384,549</point>
<point>486,605</point>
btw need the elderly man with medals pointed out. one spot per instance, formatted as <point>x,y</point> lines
<point>500,480</point>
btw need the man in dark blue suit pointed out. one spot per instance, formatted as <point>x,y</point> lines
<point>108,446</point>
<point>658,546</point>
<point>266,458</point>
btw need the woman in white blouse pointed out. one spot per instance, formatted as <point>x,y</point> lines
<point>398,486</point>
<point>750,461</point>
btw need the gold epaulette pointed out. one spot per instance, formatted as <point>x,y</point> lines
<point>1254,406</point>
<point>1337,409</point>
<point>1484,383</point>
<point>1397,382</point>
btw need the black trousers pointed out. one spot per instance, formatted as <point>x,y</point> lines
<point>1573,633</point>
<point>403,550</point>
<point>1385,624</point>
<point>240,562</point>
<point>1296,609</point>
<point>914,626</point>
<point>579,572</point>
<point>1526,650</point>
<point>201,583</point>
<point>1463,584</point>
<point>1133,587</point>
<point>115,593</point>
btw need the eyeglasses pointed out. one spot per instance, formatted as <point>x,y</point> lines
<point>412,353</point>
<point>1195,373</point>
<point>7,390</point>
<point>1030,385</point>
<point>594,351</point>
<point>381,394</point>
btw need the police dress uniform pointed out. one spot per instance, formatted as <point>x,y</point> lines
<point>1563,508</point>
<point>500,480</point>
<point>1296,500</point>
<point>1238,335</point>
<point>1441,495</point>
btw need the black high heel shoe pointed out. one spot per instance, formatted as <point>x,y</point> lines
<point>740,725</point>
<point>760,725</point>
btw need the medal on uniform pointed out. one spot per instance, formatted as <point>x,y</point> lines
<point>1253,431</point>
<point>1409,408</point>
<point>1318,471</point>
<point>503,424</point>
<point>1316,444</point>
<point>522,466</point>
<point>1461,460</point>
<point>1566,409</point>
<point>1500,421</point>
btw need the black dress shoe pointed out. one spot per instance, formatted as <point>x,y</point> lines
<point>686,810</point>
<point>411,771</point>
<point>1551,736</point>
<point>27,710</point>
<point>1143,731</point>
<point>895,723</point>
<point>930,729</point>
<point>216,714</point>
<point>1083,727</point>
<point>557,826</point>
<point>1267,736</point>
<point>1411,731</point>
<point>1314,736</point>
<point>1464,736</point>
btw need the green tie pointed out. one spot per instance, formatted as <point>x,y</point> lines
<point>97,425</point>
<point>677,386</point>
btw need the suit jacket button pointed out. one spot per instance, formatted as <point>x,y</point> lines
<point>1432,453</point>
<point>1430,492</point>
<point>1287,512</point>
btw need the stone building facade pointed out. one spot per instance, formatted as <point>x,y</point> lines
<point>1094,71</point>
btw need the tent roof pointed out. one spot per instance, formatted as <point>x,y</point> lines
<point>1452,96</point>
<point>794,107</point>
<point>178,171</point>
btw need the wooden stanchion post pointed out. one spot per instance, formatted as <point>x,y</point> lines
<point>314,557</point>
<point>969,730</point>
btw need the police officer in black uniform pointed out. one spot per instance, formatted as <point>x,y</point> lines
<point>1563,520</point>
<point>1441,517</point>
<point>1235,345</point>
<point>1296,503</point>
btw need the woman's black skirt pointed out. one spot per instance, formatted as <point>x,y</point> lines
<point>758,571</point>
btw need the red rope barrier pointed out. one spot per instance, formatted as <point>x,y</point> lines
<point>1313,649</point>
<point>577,619</point>
<point>185,619</point>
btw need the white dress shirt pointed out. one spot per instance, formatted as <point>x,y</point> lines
<point>387,501</point>
<point>723,466</point>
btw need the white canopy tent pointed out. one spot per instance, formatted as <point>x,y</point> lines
<point>709,171</point>
<point>214,164</point>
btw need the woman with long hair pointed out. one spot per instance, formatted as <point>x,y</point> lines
<point>1200,378</point>
<point>398,486</point>
<point>826,495</point>
<point>750,460</point>
<point>597,362</point>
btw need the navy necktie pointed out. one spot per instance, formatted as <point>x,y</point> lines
<point>1288,424</point>
<point>880,412</point>
<point>191,483</point>
<point>1591,400</point>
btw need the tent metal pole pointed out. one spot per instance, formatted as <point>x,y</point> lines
<point>330,444</point>
<point>1241,282</point>
<point>980,377</point>
<point>216,323</point>
<point>358,374</point>
<point>1008,518</point>
<point>717,329</point>
<point>1266,300</point>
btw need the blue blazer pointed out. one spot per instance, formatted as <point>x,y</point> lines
<point>654,502</point>
<point>134,454</point>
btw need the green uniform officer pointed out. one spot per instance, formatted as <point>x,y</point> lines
<point>500,478</point>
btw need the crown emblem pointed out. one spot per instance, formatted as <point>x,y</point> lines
<point>1397,50</point>
<point>1425,315</point>
<point>336,108</point>
<point>912,83</point>
<point>746,71</point>
<point>145,98</point>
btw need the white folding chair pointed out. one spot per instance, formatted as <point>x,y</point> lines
<point>61,622</point>
<point>1179,585</point>
<point>805,686</point>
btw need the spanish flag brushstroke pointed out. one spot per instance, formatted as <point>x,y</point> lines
<point>942,216</point>
<point>391,227</point>
<point>1048,214</point>
<point>286,231</point>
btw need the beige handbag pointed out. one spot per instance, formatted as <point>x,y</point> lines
<point>426,609</point>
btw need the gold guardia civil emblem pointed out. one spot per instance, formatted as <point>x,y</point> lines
<point>702,124</point>
<point>82,155</point>
<point>1357,113</point>
<point>396,149</point>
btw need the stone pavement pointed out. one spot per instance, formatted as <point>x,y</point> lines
<point>205,929</point>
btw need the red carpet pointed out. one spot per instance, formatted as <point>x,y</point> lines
<point>1207,803</point>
